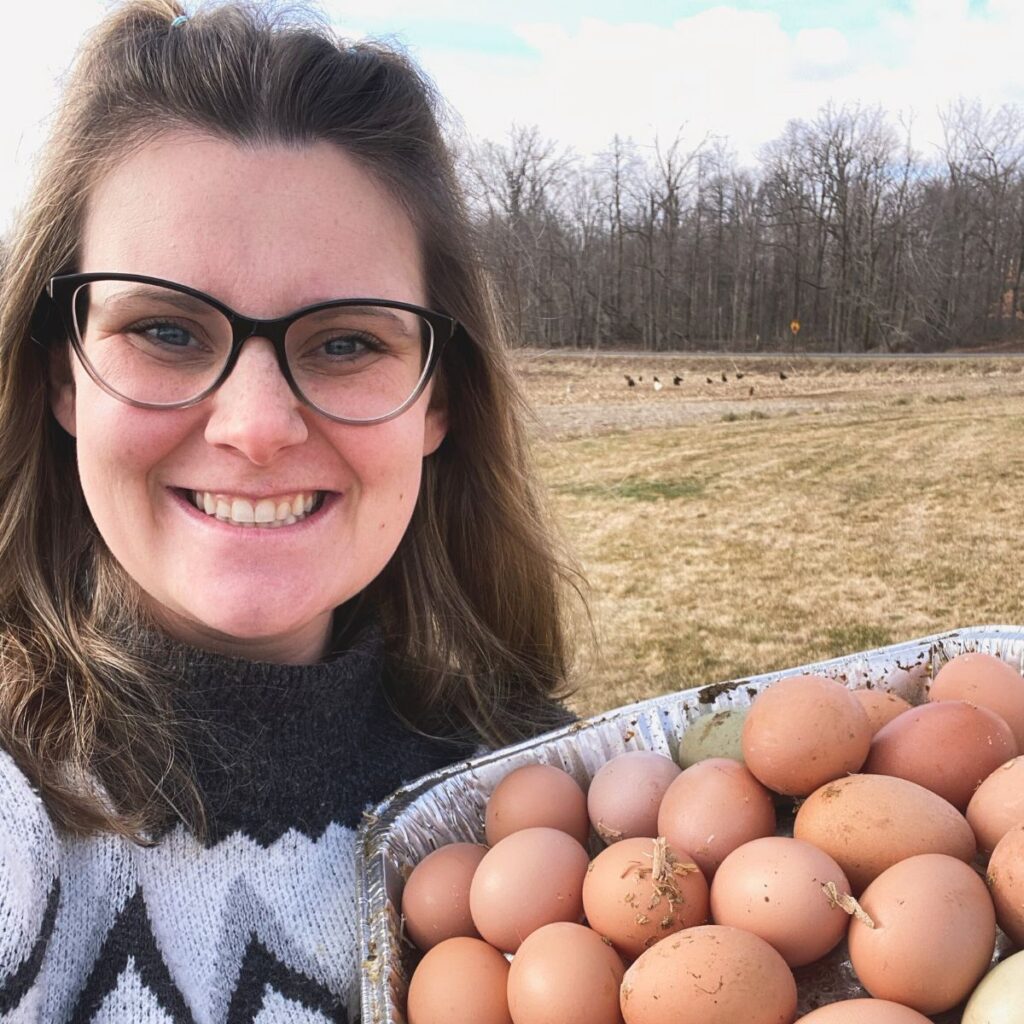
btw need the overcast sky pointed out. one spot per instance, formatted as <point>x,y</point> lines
<point>583,70</point>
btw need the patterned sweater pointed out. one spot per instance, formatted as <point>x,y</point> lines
<point>258,924</point>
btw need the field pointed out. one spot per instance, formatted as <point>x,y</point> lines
<point>799,509</point>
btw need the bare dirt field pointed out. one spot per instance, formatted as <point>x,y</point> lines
<point>799,509</point>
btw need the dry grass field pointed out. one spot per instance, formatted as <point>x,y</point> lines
<point>726,532</point>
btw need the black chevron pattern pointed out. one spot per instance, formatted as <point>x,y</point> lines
<point>14,987</point>
<point>262,973</point>
<point>130,936</point>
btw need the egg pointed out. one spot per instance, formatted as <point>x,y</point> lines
<point>998,804</point>
<point>948,747</point>
<point>986,681</point>
<point>776,887</point>
<point>640,890</point>
<point>715,734</point>
<point>713,807</point>
<point>999,997</point>
<point>565,974</point>
<point>865,1011</point>
<point>881,706</point>
<point>625,794</point>
<point>1005,878</point>
<point>537,796</point>
<point>804,731</point>
<point>460,981</point>
<point>435,900</point>
<point>867,823</point>
<point>933,936</point>
<point>531,878</point>
<point>709,975</point>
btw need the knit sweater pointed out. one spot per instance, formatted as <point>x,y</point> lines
<point>257,924</point>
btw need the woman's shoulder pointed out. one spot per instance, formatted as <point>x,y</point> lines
<point>29,876</point>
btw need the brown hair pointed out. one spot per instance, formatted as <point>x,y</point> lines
<point>485,641</point>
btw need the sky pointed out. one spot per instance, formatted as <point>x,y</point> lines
<point>584,70</point>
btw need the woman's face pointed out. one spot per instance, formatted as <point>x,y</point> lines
<point>266,230</point>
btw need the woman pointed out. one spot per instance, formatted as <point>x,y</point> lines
<point>260,567</point>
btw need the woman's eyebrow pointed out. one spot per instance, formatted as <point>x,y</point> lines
<point>403,321</point>
<point>178,300</point>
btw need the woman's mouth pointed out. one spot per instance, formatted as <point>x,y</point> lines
<point>266,513</point>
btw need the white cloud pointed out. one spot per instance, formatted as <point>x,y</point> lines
<point>737,73</point>
<point>721,71</point>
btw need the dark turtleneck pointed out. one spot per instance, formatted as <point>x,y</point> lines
<point>296,746</point>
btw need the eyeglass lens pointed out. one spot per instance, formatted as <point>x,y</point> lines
<point>164,347</point>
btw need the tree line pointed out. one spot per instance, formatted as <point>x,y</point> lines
<point>841,226</point>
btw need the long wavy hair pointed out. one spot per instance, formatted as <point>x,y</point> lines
<point>472,602</point>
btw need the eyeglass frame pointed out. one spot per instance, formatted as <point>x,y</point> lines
<point>62,288</point>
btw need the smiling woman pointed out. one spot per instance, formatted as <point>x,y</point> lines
<point>256,429</point>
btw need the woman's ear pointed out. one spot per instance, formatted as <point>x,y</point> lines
<point>61,386</point>
<point>435,427</point>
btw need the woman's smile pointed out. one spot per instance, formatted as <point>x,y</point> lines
<point>266,512</point>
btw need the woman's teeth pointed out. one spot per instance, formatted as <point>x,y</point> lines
<point>267,513</point>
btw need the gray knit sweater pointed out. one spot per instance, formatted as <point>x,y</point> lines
<point>259,924</point>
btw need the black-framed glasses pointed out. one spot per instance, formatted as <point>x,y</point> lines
<point>156,344</point>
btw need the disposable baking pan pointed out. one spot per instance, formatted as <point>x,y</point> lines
<point>447,806</point>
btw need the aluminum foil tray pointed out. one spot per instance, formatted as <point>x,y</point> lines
<point>448,806</point>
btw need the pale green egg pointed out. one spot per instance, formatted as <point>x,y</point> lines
<point>715,734</point>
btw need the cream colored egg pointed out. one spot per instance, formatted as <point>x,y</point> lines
<point>999,997</point>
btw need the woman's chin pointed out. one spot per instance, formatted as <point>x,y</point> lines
<point>267,636</point>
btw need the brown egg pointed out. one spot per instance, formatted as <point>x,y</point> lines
<point>998,804</point>
<point>933,936</point>
<point>460,981</point>
<point>948,747</point>
<point>640,890</point>
<point>531,878</point>
<point>776,888</point>
<point>865,1011</point>
<point>1006,881</point>
<point>435,900</point>
<point>537,796</point>
<point>709,975</point>
<point>988,682</point>
<point>625,794</point>
<point>713,807</point>
<point>867,823</point>
<point>881,706</point>
<point>802,732</point>
<point>565,974</point>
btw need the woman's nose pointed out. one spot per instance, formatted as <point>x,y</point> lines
<point>255,411</point>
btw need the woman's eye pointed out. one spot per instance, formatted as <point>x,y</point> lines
<point>348,345</point>
<point>168,334</point>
